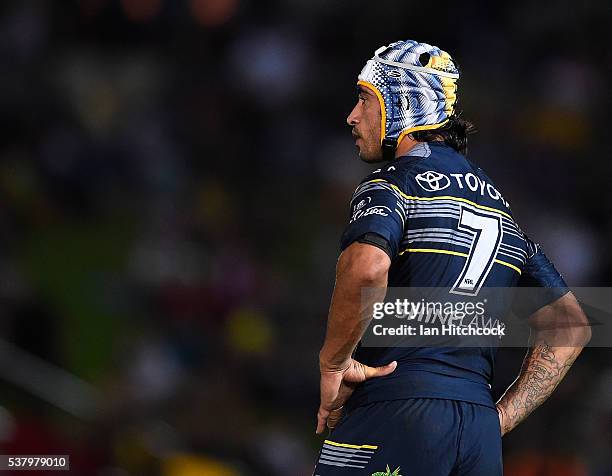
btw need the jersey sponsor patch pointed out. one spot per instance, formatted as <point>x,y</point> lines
<point>432,181</point>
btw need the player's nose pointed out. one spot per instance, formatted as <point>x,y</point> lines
<point>353,118</point>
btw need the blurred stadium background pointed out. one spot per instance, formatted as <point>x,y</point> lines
<point>174,180</point>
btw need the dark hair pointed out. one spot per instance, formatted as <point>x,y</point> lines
<point>454,134</point>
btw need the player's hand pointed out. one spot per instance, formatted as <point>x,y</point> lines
<point>337,385</point>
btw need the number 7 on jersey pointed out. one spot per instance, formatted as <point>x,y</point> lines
<point>486,229</point>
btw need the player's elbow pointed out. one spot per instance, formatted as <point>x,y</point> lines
<point>563,322</point>
<point>584,329</point>
<point>579,324</point>
<point>579,330</point>
<point>364,264</point>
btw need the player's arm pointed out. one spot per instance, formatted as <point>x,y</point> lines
<point>360,266</point>
<point>560,330</point>
<point>369,243</point>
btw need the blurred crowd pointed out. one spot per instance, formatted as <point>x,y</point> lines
<point>174,179</point>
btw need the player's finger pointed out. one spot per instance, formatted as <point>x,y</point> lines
<point>334,417</point>
<point>321,420</point>
<point>371,372</point>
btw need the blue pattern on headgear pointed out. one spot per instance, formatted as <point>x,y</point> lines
<point>415,96</point>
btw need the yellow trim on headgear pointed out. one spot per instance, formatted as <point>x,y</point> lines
<point>450,102</point>
<point>442,62</point>
<point>383,111</point>
<point>426,127</point>
<point>449,87</point>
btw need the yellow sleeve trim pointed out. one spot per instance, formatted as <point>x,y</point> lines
<point>346,445</point>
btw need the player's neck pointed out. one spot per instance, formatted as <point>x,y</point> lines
<point>405,146</point>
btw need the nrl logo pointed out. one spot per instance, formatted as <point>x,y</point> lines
<point>388,472</point>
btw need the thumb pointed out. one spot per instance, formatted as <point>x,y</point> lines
<point>322,416</point>
<point>371,372</point>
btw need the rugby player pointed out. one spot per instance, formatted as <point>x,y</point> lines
<point>428,217</point>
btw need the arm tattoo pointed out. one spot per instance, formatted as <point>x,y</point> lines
<point>542,370</point>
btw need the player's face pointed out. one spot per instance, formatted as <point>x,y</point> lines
<point>365,121</point>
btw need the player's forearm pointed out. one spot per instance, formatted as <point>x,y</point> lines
<point>543,369</point>
<point>561,332</point>
<point>346,321</point>
<point>349,314</point>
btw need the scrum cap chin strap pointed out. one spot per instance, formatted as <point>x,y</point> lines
<point>388,149</point>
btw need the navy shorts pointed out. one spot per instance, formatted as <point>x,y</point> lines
<point>414,437</point>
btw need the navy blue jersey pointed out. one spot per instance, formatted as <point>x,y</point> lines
<point>447,225</point>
